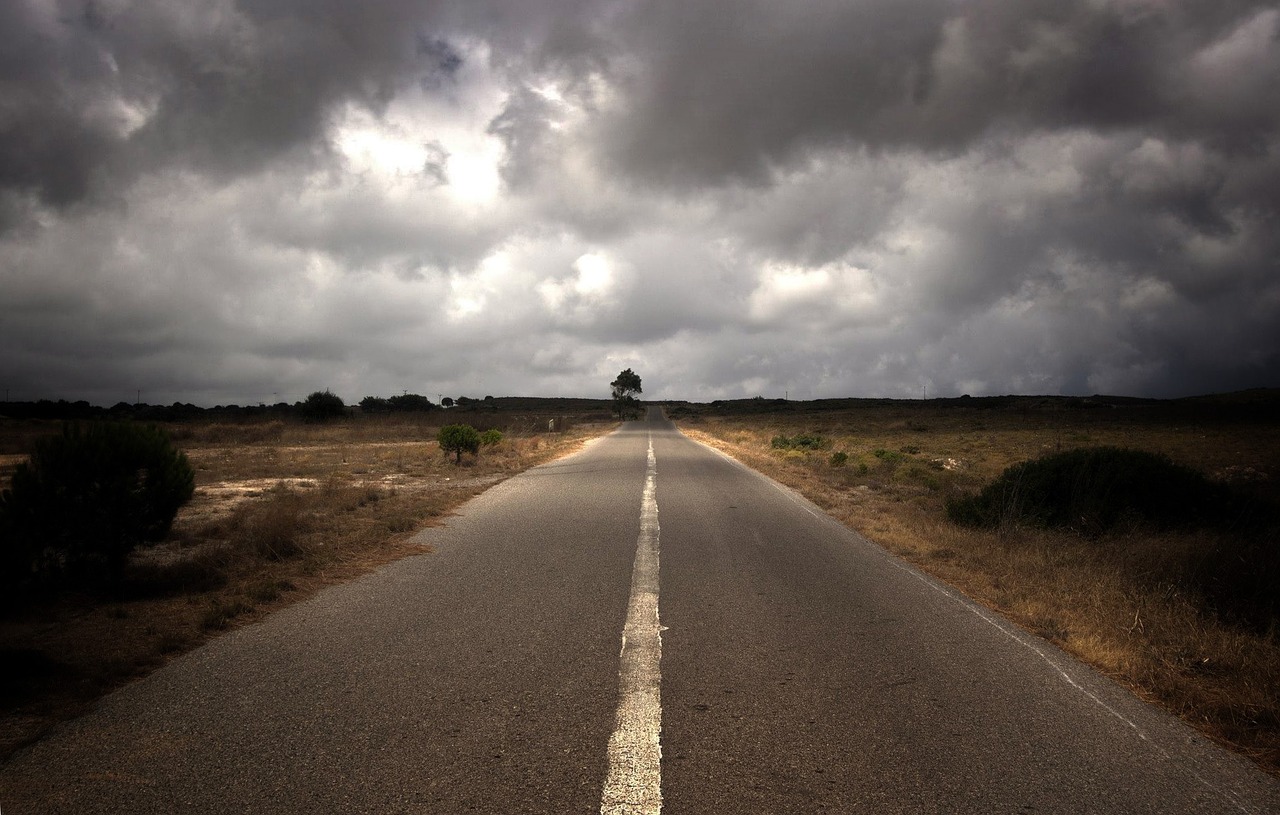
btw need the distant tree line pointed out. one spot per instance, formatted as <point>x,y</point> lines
<point>179,411</point>
<point>404,403</point>
<point>318,406</point>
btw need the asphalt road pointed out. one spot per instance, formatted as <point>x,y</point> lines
<point>802,669</point>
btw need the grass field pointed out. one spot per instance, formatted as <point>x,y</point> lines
<point>887,469</point>
<point>281,510</point>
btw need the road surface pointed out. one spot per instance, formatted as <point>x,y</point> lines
<point>773,662</point>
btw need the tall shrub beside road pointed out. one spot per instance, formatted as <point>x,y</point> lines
<point>86,499</point>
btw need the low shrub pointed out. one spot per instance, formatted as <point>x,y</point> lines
<point>839,459</point>
<point>86,499</point>
<point>490,437</point>
<point>1097,489</point>
<point>1103,493</point>
<point>803,441</point>
<point>809,441</point>
<point>459,439</point>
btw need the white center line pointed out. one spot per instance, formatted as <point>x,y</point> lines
<point>634,782</point>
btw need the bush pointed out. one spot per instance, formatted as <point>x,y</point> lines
<point>490,437</point>
<point>839,459</point>
<point>459,439</point>
<point>322,406</point>
<point>803,441</point>
<point>809,441</point>
<point>86,499</point>
<point>1094,490</point>
<point>410,402</point>
<point>1233,565</point>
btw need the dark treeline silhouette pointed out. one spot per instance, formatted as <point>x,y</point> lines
<point>404,402</point>
<point>177,412</point>
<point>63,410</point>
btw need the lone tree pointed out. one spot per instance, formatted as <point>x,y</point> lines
<point>459,439</point>
<point>322,406</point>
<point>625,388</point>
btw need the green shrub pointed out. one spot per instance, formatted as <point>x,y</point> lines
<point>839,459</point>
<point>490,437</point>
<point>1093,490</point>
<point>803,441</point>
<point>322,406</point>
<point>86,499</point>
<point>459,439</point>
<point>809,441</point>
<point>888,456</point>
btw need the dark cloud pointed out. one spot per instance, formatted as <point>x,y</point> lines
<point>118,89</point>
<point>715,92</point>
<point>243,201</point>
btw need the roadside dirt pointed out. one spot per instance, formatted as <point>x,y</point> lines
<point>272,522</point>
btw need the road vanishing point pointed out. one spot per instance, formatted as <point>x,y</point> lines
<point>643,626</point>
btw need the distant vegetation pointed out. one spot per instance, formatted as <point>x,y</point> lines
<point>407,403</point>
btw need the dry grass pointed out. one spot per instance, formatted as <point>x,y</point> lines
<point>1110,605</point>
<point>281,510</point>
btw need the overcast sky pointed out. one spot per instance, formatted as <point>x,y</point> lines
<point>242,202</point>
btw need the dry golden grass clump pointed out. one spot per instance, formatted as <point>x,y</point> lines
<point>1121,599</point>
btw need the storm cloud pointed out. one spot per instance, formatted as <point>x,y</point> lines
<point>243,202</point>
